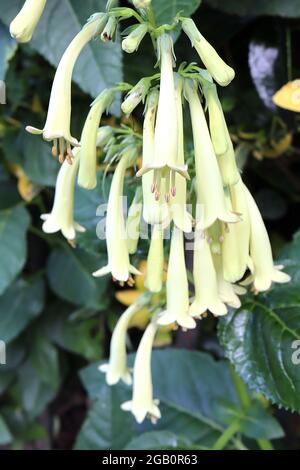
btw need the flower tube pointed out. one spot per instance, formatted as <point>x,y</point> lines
<point>132,42</point>
<point>262,266</point>
<point>155,211</point>
<point>133,224</point>
<point>117,369</point>
<point>142,403</point>
<point>25,23</point>
<point>209,185</point>
<point>57,127</point>
<point>205,279</point>
<point>61,216</point>
<point>221,138</point>
<point>87,177</point>
<point>155,261</point>
<point>177,286</point>
<point>116,239</point>
<point>220,71</point>
<point>165,162</point>
<point>225,289</point>
<point>180,215</point>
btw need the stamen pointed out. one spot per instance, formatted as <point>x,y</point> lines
<point>173,184</point>
<point>157,196</point>
<point>167,197</point>
<point>54,148</point>
<point>62,149</point>
<point>221,239</point>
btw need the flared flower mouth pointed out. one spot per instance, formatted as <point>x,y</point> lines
<point>62,145</point>
<point>166,172</point>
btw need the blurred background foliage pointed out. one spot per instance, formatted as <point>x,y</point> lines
<point>57,319</point>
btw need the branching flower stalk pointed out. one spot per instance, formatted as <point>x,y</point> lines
<point>223,228</point>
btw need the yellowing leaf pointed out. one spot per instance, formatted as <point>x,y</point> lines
<point>288,97</point>
<point>127,297</point>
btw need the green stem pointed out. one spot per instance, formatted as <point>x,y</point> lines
<point>264,444</point>
<point>227,435</point>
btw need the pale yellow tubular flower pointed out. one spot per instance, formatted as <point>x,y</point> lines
<point>61,217</point>
<point>57,127</point>
<point>25,23</point>
<point>143,404</point>
<point>180,215</point>
<point>209,185</point>
<point>132,42</point>
<point>135,96</point>
<point>235,245</point>
<point>165,164</point>
<point>155,261</point>
<point>142,4</point>
<point>133,223</point>
<point>220,137</point>
<point>116,240</point>
<point>220,71</point>
<point>87,177</point>
<point>205,280</point>
<point>262,266</point>
<point>117,369</point>
<point>177,286</point>
<point>155,211</point>
<point>225,289</point>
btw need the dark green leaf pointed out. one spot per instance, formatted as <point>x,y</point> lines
<point>165,12</point>
<point>70,275</point>
<point>99,66</point>
<point>7,50</point>
<point>5,435</point>
<point>44,360</point>
<point>106,427</point>
<point>157,440</point>
<point>261,338</point>
<point>13,227</point>
<point>79,335</point>
<point>20,304</point>
<point>258,7</point>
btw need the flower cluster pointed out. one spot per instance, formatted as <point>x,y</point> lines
<point>224,228</point>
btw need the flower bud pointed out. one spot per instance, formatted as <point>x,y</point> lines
<point>132,42</point>
<point>110,30</point>
<point>220,71</point>
<point>104,136</point>
<point>136,96</point>
<point>24,24</point>
<point>142,4</point>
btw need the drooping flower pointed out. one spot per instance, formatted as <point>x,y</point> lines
<point>142,403</point>
<point>220,71</point>
<point>141,4</point>
<point>87,177</point>
<point>116,240</point>
<point>165,162</point>
<point>209,185</point>
<point>61,217</point>
<point>110,30</point>
<point>132,42</point>
<point>261,265</point>
<point>117,369</point>
<point>136,96</point>
<point>155,210</point>
<point>235,244</point>
<point>25,23</point>
<point>57,127</point>
<point>180,215</point>
<point>205,279</point>
<point>155,261</point>
<point>220,137</point>
<point>226,290</point>
<point>133,223</point>
<point>236,237</point>
<point>177,286</point>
